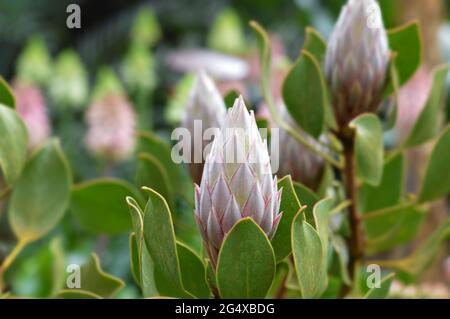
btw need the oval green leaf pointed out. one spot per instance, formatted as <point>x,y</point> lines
<point>41,195</point>
<point>426,126</point>
<point>368,148</point>
<point>246,264</point>
<point>437,177</point>
<point>193,272</point>
<point>6,95</point>
<point>308,258</point>
<point>13,144</point>
<point>162,259</point>
<point>304,94</point>
<point>290,206</point>
<point>100,205</point>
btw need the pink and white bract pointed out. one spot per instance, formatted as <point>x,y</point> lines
<point>237,181</point>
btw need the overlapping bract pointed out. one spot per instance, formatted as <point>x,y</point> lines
<point>357,60</point>
<point>237,181</point>
<point>206,108</point>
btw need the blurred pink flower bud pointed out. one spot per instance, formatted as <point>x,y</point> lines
<point>111,125</point>
<point>31,106</point>
<point>205,105</point>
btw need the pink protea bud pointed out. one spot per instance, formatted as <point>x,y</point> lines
<point>31,106</point>
<point>357,60</point>
<point>295,159</point>
<point>111,125</point>
<point>237,181</point>
<point>205,107</point>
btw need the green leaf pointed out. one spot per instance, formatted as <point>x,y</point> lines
<point>321,212</point>
<point>437,177</point>
<point>43,274</point>
<point>230,97</point>
<point>210,277</point>
<point>304,94</point>
<point>151,173</point>
<point>308,258</point>
<point>13,144</point>
<point>162,263</point>
<point>392,226</point>
<point>192,272</point>
<point>406,42</point>
<point>100,207</point>
<point>426,126</point>
<point>135,262</point>
<point>289,206</point>
<point>179,183</point>
<point>77,294</point>
<point>368,148</point>
<point>309,199</point>
<point>42,193</point>
<point>409,268</point>
<point>246,263</point>
<point>341,250</point>
<point>315,44</point>
<point>95,281</point>
<point>390,190</point>
<point>6,94</point>
<point>383,291</point>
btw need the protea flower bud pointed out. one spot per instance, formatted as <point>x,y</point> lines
<point>111,121</point>
<point>34,62</point>
<point>31,106</point>
<point>206,108</point>
<point>295,159</point>
<point>357,60</point>
<point>237,181</point>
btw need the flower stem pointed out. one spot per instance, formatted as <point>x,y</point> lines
<point>10,259</point>
<point>356,240</point>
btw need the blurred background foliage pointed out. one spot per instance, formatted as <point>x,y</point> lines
<point>134,39</point>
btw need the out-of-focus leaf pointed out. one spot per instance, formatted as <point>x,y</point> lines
<point>41,276</point>
<point>6,95</point>
<point>414,265</point>
<point>151,173</point>
<point>77,294</point>
<point>13,144</point>
<point>368,148</point>
<point>304,93</point>
<point>340,247</point>
<point>161,263</point>
<point>383,291</point>
<point>100,205</point>
<point>95,281</point>
<point>230,97</point>
<point>289,206</point>
<point>192,272</point>
<point>42,193</point>
<point>407,43</point>
<point>426,126</point>
<point>390,190</point>
<point>246,263</point>
<point>279,280</point>
<point>308,258</point>
<point>308,199</point>
<point>178,182</point>
<point>392,226</point>
<point>437,177</point>
<point>315,44</point>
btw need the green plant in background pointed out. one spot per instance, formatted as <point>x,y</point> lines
<point>226,34</point>
<point>34,65</point>
<point>68,85</point>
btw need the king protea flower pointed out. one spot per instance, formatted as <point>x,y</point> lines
<point>205,107</point>
<point>357,60</point>
<point>237,181</point>
<point>32,108</point>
